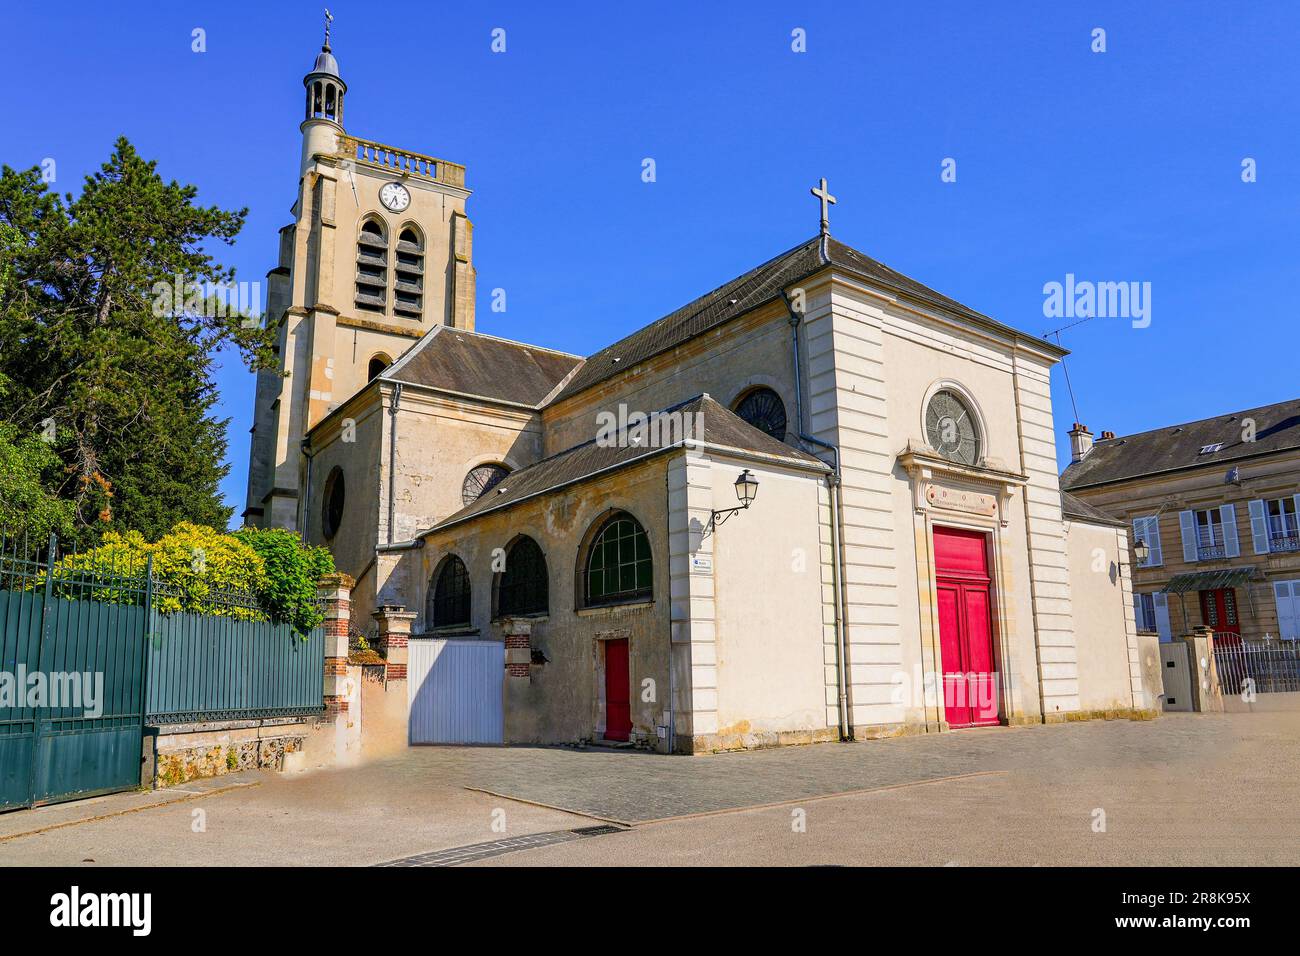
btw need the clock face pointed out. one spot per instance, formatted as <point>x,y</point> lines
<point>950,429</point>
<point>394,196</point>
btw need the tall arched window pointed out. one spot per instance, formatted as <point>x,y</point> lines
<point>372,267</point>
<point>763,409</point>
<point>408,275</point>
<point>335,499</point>
<point>523,587</point>
<point>480,481</point>
<point>447,603</point>
<point>618,568</point>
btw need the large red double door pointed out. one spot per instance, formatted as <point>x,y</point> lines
<point>964,599</point>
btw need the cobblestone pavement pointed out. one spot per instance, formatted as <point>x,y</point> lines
<point>633,787</point>
<point>1184,789</point>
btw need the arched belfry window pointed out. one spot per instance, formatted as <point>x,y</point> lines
<point>480,481</point>
<point>523,587</point>
<point>334,501</point>
<point>372,267</point>
<point>377,366</point>
<point>331,102</point>
<point>763,408</point>
<point>618,568</point>
<point>408,275</point>
<point>447,604</point>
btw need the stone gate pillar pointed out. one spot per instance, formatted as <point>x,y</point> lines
<point>394,636</point>
<point>336,591</point>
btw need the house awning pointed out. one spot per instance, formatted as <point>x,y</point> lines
<point>1208,580</point>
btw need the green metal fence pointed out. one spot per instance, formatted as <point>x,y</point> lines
<point>87,659</point>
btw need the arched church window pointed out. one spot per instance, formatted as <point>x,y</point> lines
<point>448,600</point>
<point>763,409</point>
<point>377,366</point>
<point>408,280</point>
<point>523,587</point>
<point>330,110</point>
<point>372,267</point>
<point>335,498</point>
<point>950,428</point>
<point>480,481</point>
<point>618,568</point>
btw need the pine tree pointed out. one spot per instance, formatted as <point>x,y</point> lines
<point>89,343</point>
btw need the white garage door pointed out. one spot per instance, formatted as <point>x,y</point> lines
<point>454,690</point>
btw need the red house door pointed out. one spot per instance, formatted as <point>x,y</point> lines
<point>1219,611</point>
<point>964,600</point>
<point>618,701</point>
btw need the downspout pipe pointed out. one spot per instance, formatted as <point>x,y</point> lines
<point>305,498</point>
<point>833,487</point>
<point>392,458</point>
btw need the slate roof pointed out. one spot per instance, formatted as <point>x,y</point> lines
<point>475,364</point>
<point>721,427</point>
<point>1078,510</point>
<point>757,287</point>
<point>1175,447</point>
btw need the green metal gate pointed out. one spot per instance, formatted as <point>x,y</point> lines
<point>93,638</point>
<point>72,677</point>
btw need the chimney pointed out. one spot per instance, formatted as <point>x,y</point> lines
<point>1080,442</point>
<point>1107,436</point>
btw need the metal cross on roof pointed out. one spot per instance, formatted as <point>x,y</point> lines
<point>827,200</point>
<point>329,18</point>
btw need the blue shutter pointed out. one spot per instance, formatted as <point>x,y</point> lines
<point>1231,546</point>
<point>1187,525</point>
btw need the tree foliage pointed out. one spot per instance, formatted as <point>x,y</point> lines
<point>28,468</point>
<point>250,574</point>
<point>83,343</point>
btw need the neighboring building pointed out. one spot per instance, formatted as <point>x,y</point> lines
<point>908,528</point>
<point>1215,503</point>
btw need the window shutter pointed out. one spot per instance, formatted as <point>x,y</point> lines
<point>1161,601</point>
<point>1287,596</point>
<point>1231,546</point>
<point>1259,526</point>
<point>1153,540</point>
<point>1187,525</point>
<point>1296,499</point>
<point>1138,617</point>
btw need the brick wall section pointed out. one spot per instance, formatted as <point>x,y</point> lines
<point>336,591</point>
<point>518,638</point>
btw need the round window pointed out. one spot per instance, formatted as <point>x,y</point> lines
<point>950,428</point>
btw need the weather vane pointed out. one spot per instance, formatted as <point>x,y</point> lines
<point>329,18</point>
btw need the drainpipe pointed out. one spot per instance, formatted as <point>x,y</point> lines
<point>833,488</point>
<point>392,458</point>
<point>304,503</point>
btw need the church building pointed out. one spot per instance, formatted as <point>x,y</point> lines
<point>819,502</point>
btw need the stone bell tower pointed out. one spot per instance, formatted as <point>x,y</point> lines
<point>380,252</point>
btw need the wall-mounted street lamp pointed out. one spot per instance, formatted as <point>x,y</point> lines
<point>1141,550</point>
<point>746,492</point>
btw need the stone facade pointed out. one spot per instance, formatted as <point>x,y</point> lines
<point>810,616</point>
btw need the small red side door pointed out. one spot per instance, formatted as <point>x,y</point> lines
<point>618,702</point>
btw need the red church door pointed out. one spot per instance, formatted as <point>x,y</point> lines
<point>964,600</point>
<point>618,701</point>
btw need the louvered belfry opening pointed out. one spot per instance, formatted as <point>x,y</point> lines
<point>372,268</point>
<point>408,284</point>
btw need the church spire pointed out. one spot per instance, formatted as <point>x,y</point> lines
<point>325,86</point>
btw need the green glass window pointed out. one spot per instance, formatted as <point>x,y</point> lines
<point>619,568</point>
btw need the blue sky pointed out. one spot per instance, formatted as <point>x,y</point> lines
<point>1115,166</point>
